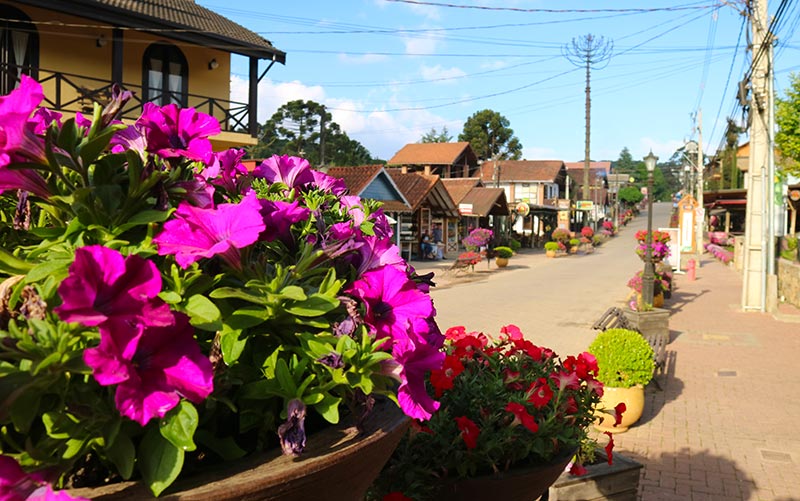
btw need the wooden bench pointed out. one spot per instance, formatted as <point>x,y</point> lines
<point>614,318</point>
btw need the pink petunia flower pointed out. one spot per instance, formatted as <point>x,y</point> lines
<point>103,287</point>
<point>279,216</point>
<point>152,371</point>
<point>197,233</point>
<point>377,252</point>
<point>391,301</point>
<point>328,183</point>
<point>17,135</point>
<point>294,172</point>
<point>521,414</point>
<point>16,485</point>
<point>173,132</point>
<point>23,179</point>
<point>226,169</point>
<point>416,358</point>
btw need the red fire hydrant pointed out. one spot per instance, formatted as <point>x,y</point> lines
<point>691,270</point>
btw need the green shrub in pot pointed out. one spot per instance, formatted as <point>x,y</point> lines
<point>551,246</point>
<point>624,357</point>
<point>504,252</point>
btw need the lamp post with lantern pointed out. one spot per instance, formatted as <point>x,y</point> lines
<point>648,276</point>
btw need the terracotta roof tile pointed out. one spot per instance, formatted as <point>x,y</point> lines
<point>523,170</point>
<point>458,187</point>
<point>418,187</point>
<point>429,154</point>
<point>606,166</point>
<point>356,178</point>
<point>199,24</point>
<point>487,201</point>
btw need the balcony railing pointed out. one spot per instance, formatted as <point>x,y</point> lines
<point>67,92</point>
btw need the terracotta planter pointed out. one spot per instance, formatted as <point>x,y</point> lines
<point>602,481</point>
<point>573,250</point>
<point>634,406</point>
<point>550,253</point>
<point>523,484</point>
<point>338,464</point>
<point>501,262</point>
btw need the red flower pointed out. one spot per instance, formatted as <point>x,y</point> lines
<point>576,469</point>
<point>466,346</point>
<point>521,414</point>
<point>566,380</point>
<point>539,393</point>
<point>618,411</point>
<point>511,379</point>
<point>512,332</point>
<point>396,496</point>
<point>529,348</point>
<point>585,366</point>
<point>610,446</point>
<point>571,406</point>
<point>442,379</point>
<point>469,431</point>
<point>417,427</point>
<point>455,333</point>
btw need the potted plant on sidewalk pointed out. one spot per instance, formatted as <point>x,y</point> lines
<point>551,248</point>
<point>512,416</point>
<point>164,310</point>
<point>625,362</point>
<point>502,255</point>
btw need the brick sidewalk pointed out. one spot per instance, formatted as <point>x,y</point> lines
<point>725,425</point>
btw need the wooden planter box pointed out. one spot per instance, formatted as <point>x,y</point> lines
<point>617,482</point>
<point>654,322</point>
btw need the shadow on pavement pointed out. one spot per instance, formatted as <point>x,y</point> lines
<point>662,389</point>
<point>679,299</point>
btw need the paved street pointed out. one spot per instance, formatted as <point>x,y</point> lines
<point>725,425</point>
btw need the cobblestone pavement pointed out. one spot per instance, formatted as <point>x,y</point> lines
<point>725,425</point>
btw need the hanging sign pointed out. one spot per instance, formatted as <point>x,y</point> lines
<point>584,205</point>
<point>523,209</point>
<point>465,209</point>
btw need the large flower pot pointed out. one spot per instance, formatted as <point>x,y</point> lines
<point>501,262</point>
<point>658,299</point>
<point>618,481</point>
<point>633,398</point>
<point>550,253</point>
<point>520,484</point>
<point>338,464</point>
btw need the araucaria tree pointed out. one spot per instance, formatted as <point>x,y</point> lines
<point>489,134</point>
<point>787,117</point>
<point>305,128</point>
<point>434,136</point>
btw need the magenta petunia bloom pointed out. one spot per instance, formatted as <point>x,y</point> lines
<point>391,301</point>
<point>153,371</point>
<point>377,252</point>
<point>381,225</point>
<point>197,192</point>
<point>197,233</point>
<point>279,216</point>
<point>130,138</point>
<point>226,169</point>
<point>23,179</point>
<point>173,132</point>
<point>16,133</point>
<point>329,183</point>
<point>294,172</point>
<point>103,287</point>
<point>42,118</point>
<point>416,359</point>
<point>17,485</point>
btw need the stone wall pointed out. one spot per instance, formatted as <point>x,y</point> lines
<point>789,281</point>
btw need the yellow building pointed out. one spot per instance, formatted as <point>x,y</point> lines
<point>170,51</point>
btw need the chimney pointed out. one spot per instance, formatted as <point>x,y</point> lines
<point>404,169</point>
<point>427,170</point>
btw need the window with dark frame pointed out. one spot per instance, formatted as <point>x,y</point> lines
<point>165,75</point>
<point>19,48</point>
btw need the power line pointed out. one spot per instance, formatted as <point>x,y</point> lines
<point>554,11</point>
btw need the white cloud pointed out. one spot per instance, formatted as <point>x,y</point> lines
<point>364,59</point>
<point>426,11</point>
<point>422,43</point>
<point>493,65</point>
<point>382,133</point>
<point>441,75</point>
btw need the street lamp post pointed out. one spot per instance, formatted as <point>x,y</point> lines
<point>687,179</point>
<point>648,276</point>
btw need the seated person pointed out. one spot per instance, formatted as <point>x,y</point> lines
<point>427,248</point>
<point>436,235</point>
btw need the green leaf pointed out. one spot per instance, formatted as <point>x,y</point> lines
<point>160,462</point>
<point>203,313</point>
<point>24,409</point>
<point>122,453</point>
<point>144,217</point>
<point>313,398</point>
<point>47,362</point>
<point>170,297</point>
<point>179,425</point>
<point>13,265</point>
<point>284,377</point>
<point>51,267</point>
<point>58,425</point>
<point>247,317</point>
<point>293,292</point>
<point>315,306</point>
<point>232,345</point>
<point>231,292</point>
<point>75,447</point>
<point>328,408</point>
<point>262,389</point>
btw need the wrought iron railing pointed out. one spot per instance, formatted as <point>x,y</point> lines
<point>67,92</point>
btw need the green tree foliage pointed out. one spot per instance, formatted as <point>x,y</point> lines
<point>630,195</point>
<point>787,117</point>
<point>625,164</point>
<point>434,136</point>
<point>305,128</point>
<point>489,134</point>
<point>662,188</point>
<point>729,174</point>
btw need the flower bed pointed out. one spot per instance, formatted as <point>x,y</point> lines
<point>720,252</point>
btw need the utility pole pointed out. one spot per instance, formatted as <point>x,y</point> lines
<point>700,177</point>
<point>759,289</point>
<point>589,52</point>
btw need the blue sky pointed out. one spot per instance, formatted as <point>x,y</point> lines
<point>389,71</point>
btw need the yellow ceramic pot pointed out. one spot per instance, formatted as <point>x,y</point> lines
<point>634,406</point>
